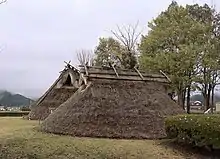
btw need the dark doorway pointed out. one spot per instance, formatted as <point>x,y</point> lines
<point>68,81</point>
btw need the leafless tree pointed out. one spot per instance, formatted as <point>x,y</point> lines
<point>3,1</point>
<point>128,36</point>
<point>85,57</point>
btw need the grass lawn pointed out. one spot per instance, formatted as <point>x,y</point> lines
<point>20,139</point>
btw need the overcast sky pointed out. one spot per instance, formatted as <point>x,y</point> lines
<point>36,36</point>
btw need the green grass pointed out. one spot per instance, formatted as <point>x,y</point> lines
<point>20,138</point>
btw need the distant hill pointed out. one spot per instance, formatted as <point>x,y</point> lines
<point>9,99</point>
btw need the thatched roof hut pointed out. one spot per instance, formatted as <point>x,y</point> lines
<point>115,104</point>
<point>61,90</point>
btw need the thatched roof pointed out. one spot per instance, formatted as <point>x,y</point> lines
<point>115,105</point>
<point>63,88</point>
<point>122,74</point>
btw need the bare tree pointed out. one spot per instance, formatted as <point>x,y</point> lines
<point>128,36</point>
<point>85,57</point>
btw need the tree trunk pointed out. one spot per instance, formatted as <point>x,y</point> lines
<point>205,89</point>
<point>188,99</point>
<point>184,98</point>
<point>213,97</point>
<point>188,92</point>
<point>180,99</point>
<point>181,93</point>
<point>209,96</point>
<point>204,93</point>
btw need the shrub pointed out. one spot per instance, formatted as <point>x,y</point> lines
<point>198,130</point>
<point>13,114</point>
<point>25,109</point>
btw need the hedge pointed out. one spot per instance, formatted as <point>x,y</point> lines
<point>13,114</point>
<point>197,130</point>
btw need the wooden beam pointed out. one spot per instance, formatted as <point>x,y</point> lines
<point>139,73</point>
<point>165,75</point>
<point>121,73</point>
<point>130,78</point>
<point>85,67</point>
<point>115,71</point>
<point>107,68</point>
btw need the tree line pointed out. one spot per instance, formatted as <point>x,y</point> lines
<point>182,41</point>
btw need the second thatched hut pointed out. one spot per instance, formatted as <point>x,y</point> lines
<point>61,90</point>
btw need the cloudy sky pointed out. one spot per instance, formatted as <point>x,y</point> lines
<point>38,35</point>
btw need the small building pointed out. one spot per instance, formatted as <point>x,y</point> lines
<point>218,107</point>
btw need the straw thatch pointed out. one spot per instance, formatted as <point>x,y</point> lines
<point>126,106</point>
<point>62,89</point>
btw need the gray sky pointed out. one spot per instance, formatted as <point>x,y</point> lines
<point>38,35</point>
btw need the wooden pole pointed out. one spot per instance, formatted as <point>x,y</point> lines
<point>165,75</point>
<point>139,73</point>
<point>85,67</point>
<point>115,71</point>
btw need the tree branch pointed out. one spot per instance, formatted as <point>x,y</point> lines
<point>84,57</point>
<point>128,36</point>
<point>3,1</point>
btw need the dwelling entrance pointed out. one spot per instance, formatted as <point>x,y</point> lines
<point>68,81</point>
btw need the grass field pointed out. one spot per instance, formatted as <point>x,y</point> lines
<point>20,139</point>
